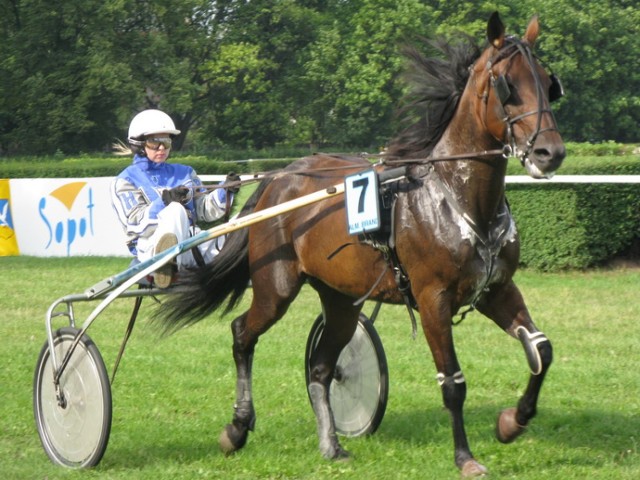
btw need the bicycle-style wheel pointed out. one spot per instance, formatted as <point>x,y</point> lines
<point>360,388</point>
<point>74,431</point>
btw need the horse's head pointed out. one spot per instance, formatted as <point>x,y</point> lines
<point>515,93</point>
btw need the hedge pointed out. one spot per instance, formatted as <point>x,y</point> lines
<point>109,166</point>
<point>577,226</point>
<point>569,226</point>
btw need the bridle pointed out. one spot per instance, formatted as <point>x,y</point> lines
<point>501,88</point>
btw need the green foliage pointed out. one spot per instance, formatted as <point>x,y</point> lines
<point>567,226</point>
<point>269,72</point>
<point>221,161</point>
<point>607,158</point>
<point>353,69</point>
<point>585,44</point>
<point>608,148</point>
<point>62,83</point>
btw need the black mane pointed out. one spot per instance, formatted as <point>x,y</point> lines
<point>435,84</point>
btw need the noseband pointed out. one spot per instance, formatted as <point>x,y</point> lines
<point>503,92</point>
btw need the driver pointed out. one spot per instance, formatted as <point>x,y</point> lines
<point>159,204</point>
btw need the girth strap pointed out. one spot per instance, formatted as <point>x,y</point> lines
<point>387,245</point>
<point>404,286</point>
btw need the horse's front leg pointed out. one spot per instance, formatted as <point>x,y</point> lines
<point>234,436</point>
<point>505,306</point>
<point>437,326</point>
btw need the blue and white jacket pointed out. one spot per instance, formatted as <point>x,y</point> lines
<point>136,195</point>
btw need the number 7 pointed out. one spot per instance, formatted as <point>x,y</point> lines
<point>361,183</point>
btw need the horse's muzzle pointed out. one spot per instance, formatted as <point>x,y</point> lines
<point>544,159</point>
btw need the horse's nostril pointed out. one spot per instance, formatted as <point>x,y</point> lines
<point>542,153</point>
<point>542,156</point>
<point>549,157</point>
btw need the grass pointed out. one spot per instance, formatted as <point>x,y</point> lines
<point>173,395</point>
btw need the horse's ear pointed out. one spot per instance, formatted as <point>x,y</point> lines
<point>495,31</point>
<point>533,29</point>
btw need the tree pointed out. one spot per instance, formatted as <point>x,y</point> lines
<point>593,48</point>
<point>61,86</point>
<point>259,90</point>
<point>353,68</point>
<point>265,72</point>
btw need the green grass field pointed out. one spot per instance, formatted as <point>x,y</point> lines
<point>173,395</point>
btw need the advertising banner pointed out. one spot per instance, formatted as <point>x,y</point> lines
<point>61,217</point>
<point>8,241</point>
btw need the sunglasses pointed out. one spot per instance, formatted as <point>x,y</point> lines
<point>156,143</point>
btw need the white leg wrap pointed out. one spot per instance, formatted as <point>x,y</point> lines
<point>457,377</point>
<point>530,342</point>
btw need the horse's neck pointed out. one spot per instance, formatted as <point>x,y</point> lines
<point>476,184</point>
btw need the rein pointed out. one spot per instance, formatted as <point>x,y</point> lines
<point>505,152</point>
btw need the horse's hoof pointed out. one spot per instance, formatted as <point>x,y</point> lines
<point>338,455</point>
<point>471,468</point>
<point>342,456</point>
<point>232,439</point>
<point>507,427</point>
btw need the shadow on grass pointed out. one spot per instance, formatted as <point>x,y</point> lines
<point>585,432</point>
<point>592,429</point>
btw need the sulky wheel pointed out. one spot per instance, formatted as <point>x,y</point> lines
<point>360,387</point>
<point>74,429</point>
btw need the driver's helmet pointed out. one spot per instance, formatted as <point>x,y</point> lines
<point>149,122</point>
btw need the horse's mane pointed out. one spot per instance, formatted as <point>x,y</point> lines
<point>435,85</point>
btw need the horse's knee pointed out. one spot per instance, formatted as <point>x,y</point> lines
<point>537,348</point>
<point>320,374</point>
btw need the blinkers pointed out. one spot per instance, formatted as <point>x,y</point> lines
<point>503,92</point>
<point>556,90</point>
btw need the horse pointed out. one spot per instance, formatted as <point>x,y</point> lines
<point>452,242</point>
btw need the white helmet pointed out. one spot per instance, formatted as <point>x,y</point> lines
<point>148,122</point>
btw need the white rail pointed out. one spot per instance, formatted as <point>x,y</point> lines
<point>575,179</point>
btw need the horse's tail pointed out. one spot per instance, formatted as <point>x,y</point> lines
<point>204,290</point>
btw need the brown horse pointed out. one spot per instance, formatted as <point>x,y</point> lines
<point>452,242</point>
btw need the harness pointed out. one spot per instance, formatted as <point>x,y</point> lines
<point>490,244</point>
<point>383,240</point>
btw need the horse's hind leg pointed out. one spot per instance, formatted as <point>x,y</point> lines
<point>506,307</point>
<point>234,436</point>
<point>246,330</point>
<point>341,320</point>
